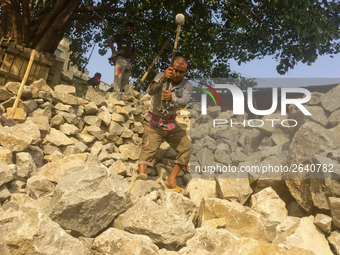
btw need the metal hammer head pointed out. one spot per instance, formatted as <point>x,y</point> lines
<point>180,19</point>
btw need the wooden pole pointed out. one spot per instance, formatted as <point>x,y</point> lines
<point>15,105</point>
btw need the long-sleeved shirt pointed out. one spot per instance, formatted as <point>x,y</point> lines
<point>180,94</point>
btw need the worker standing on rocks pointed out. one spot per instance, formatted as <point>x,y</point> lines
<point>122,57</point>
<point>174,90</point>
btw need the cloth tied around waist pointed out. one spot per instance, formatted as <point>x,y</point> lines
<point>156,121</point>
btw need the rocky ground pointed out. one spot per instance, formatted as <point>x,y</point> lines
<point>65,170</point>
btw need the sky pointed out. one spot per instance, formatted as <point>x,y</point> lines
<point>325,70</point>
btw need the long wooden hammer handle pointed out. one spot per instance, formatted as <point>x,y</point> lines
<point>15,105</point>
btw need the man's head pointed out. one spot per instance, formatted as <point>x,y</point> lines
<point>180,67</point>
<point>129,28</point>
<point>98,75</point>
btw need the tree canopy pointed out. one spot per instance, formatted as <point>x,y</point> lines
<point>215,31</point>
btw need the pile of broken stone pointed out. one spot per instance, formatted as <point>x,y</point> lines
<point>65,169</point>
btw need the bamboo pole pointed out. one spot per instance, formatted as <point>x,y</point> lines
<point>152,64</point>
<point>15,105</point>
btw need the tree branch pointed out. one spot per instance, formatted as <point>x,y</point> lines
<point>50,19</point>
<point>99,9</point>
<point>248,8</point>
<point>57,26</point>
<point>34,15</point>
<point>155,25</point>
<point>89,17</point>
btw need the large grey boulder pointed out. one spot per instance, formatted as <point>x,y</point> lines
<point>92,120</point>
<point>334,118</point>
<point>300,189</point>
<point>206,158</point>
<point>201,188</point>
<point>39,186</point>
<point>104,115</point>
<point>57,120</point>
<point>217,132</point>
<point>58,138</point>
<point>65,89</point>
<point>302,233</point>
<point>42,122</point>
<point>91,108</point>
<point>161,223</point>
<point>26,164</point>
<point>4,193</point>
<point>202,131</point>
<point>270,123</point>
<point>86,200</point>
<point>208,240</point>
<point>46,111</point>
<point>4,94</point>
<point>315,98</point>
<point>29,105</point>
<point>233,189</point>
<point>271,208</point>
<point>240,220</point>
<point>54,170</point>
<point>318,115</point>
<point>65,108</point>
<point>117,117</point>
<point>222,155</point>
<point>6,155</point>
<point>330,100</point>
<point>15,138</point>
<point>33,232</point>
<point>115,128</point>
<point>37,86</point>
<point>122,111</point>
<point>69,129</point>
<point>130,150</point>
<point>6,174</point>
<point>334,203</point>
<point>93,96</point>
<point>141,188</point>
<point>281,135</point>
<point>114,241</point>
<point>96,132</point>
<point>180,204</point>
<point>334,240</point>
<point>323,222</point>
<point>65,98</point>
<point>312,139</point>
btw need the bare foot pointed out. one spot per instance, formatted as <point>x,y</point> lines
<point>170,183</point>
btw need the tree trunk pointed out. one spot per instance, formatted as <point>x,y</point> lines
<point>16,22</point>
<point>26,20</point>
<point>42,33</point>
<point>51,30</point>
<point>6,21</point>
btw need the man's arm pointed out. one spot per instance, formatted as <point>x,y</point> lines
<point>156,85</point>
<point>110,42</point>
<point>181,102</point>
